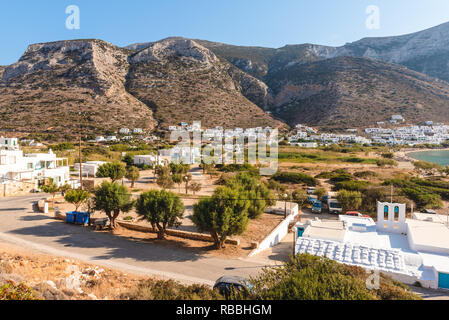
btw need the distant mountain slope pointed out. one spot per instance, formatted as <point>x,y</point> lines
<point>425,51</point>
<point>355,92</point>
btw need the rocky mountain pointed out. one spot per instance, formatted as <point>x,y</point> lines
<point>158,84</point>
<point>52,82</point>
<point>425,51</point>
<point>184,81</point>
<point>162,84</point>
<point>349,92</point>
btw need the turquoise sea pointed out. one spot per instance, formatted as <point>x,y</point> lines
<point>437,156</point>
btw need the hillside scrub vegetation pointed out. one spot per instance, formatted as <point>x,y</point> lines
<point>307,277</point>
<point>295,177</point>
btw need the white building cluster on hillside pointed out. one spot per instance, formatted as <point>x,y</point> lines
<point>309,138</point>
<point>410,135</point>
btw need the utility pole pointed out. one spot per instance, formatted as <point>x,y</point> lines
<point>81,163</point>
<point>391,193</point>
<point>80,153</point>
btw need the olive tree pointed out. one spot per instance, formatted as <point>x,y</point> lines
<point>253,189</point>
<point>112,198</point>
<point>76,197</point>
<point>132,174</point>
<point>163,209</point>
<point>195,187</point>
<point>115,171</point>
<point>222,215</point>
<point>300,197</point>
<point>51,188</point>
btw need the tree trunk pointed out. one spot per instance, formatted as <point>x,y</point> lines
<point>132,183</point>
<point>111,220</point>
<point>216,238</point>
<point>160,232</point>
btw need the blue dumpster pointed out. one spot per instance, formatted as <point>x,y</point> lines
<point>70,217</point>
<point>82,217</point>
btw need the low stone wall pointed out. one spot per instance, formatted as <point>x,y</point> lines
<point>177,233</point>
<point>16,188</point>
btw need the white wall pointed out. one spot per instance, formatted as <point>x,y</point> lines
<point>276,235</point>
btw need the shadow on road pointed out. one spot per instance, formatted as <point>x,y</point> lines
<point>12,209</point>
<point>103,245</point>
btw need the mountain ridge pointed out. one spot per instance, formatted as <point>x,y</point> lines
<point>157,84</point>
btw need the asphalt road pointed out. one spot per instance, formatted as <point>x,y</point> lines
<point>21,225</point>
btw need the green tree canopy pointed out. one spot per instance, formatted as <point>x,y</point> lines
<point>253,189</point>
<point>76,197</point>
<point>349,200</point>
<point>162,209</point>
<point>129,160</point>
<point>300,197</point>
<point>112,198</point>
<point>222,215</point>
<point>115,171</point>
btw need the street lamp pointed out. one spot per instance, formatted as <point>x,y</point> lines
<point>186,179</point>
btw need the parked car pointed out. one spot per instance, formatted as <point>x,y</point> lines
<point>312,199</point>
<point>311,190</point>
<point>429,211</point>
<point>317,207</point>
<point>334,206</point>
<point>229,285</point>
<point>356,214</point>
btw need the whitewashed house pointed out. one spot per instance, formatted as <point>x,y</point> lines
<point>124,131</point>
<point>90,168</point>
<point>409,250</point>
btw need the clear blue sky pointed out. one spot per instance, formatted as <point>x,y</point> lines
<point>243,22</point>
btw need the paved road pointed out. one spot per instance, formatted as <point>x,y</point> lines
<point>21,225</point>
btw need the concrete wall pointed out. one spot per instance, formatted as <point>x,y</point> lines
<point>276,235</point>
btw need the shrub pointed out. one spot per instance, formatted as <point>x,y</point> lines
<point>12,291</point>
<point>295,177</point>
<point>349,200</point>
<point>307,277</point>
<point>352,185</point>
<point>170,290</point>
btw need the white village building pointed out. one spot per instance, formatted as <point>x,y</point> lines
<point>409,250</point>
<point>148,160</point>
<point>21,173</point>
<point>90,168</point>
